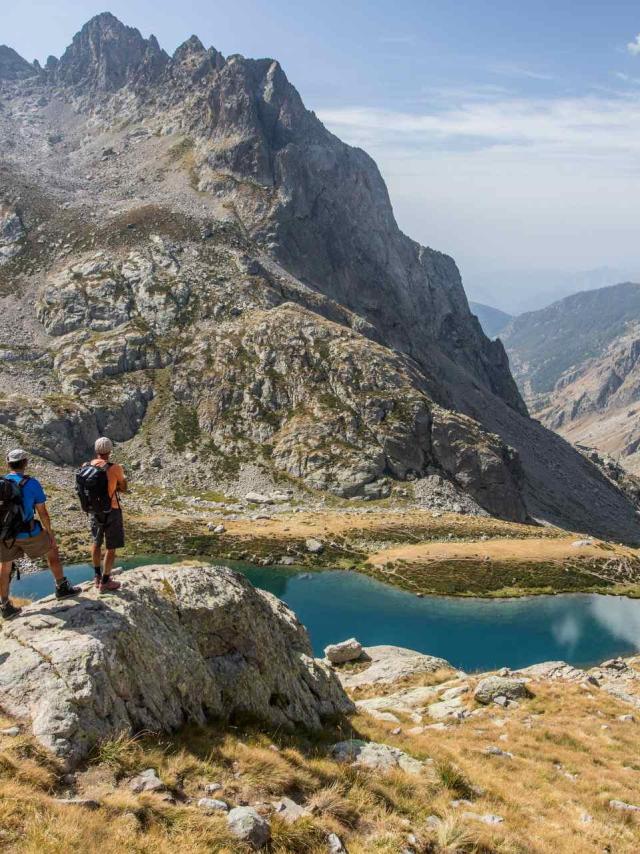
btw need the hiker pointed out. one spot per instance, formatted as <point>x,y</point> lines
<point>22,534</point>
<point>98,484</point>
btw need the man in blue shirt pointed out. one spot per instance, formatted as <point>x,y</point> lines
<point>35,541</point>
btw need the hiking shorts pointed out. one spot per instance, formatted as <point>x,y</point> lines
<point>108,528</point>
<point>32,547</point>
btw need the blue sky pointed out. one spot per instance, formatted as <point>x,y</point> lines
<point>508,132</point>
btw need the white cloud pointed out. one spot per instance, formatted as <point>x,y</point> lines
<point>513,69</point>
<point>634,46</point>
<point>511,181</point>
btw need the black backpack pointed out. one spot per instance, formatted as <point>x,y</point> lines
<point>92,486</point>
<point>12,521</point>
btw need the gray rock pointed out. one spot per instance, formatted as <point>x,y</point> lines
<point>379,757</point>
<point>11,731</point>
<point>247,825</point>
<point>389,664</point>
<point>87,803</point>
<point>212,805</point>
<point>147,659</point>
<point>623,806</point>
<point>500,686</point>
<point>258,498</point>
<point>497,751</point>
<point>289,811</point>
<point>147,781</point>
<point>334,844</point>
<point>347,650</point>
<point>314,546</point>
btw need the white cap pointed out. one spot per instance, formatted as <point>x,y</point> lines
<point>17,455</point>
<point>103,445</point>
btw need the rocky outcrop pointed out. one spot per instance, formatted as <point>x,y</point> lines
<point>13,66</point>
<point>11,233</point>
<point>388,664</point>
<point>177,644</point>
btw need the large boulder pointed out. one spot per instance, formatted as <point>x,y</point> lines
<point>177,644</point>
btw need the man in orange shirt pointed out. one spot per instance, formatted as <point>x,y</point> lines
<point>107,528</point>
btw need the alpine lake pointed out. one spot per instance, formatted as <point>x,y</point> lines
<point>473,634</point>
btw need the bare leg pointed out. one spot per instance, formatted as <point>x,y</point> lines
<point>5,580</point>
<point>109,560</point>
<point>96,555</point>
<point>55,564</point>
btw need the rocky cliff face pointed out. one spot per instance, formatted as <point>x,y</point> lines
<point>200,261</point>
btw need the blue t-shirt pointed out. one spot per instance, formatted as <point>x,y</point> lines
<point>32,494</point>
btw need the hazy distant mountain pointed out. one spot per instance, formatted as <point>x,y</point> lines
<point>578,364</point>
<point>492,320</point>
<point>517,291</point>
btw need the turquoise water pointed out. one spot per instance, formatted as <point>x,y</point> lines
<point>474,634</point>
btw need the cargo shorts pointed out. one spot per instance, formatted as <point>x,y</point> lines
<point>32,547</point>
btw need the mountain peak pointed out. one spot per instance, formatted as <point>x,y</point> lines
<point>107,55</point>
<point>13,66</point>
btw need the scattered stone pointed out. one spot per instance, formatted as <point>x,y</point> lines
<point>147,781</point>
<point>623,806</point>
<point>219,529</point>
<point>334,844</point>
<point>314,546</point>
<point>347,650</point>
<point>212,805</point>
<point>11,731</point>
<point>379,757</point>
<point>290,811</point>
<point>258,498</point>
<point>447,709</point>
<point>582,544</point>
<point>488,818</point>
<point>627,719</point>
<point>497,751</point>
<point>87,803</point>
<point>247,825</point>
<point>212,788</point>
<point>387,717</point>
<point>499,686</point>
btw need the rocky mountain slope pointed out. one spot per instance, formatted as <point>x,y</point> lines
<point>492,320</point>
<point>191,263</point>
<point>578,363</point>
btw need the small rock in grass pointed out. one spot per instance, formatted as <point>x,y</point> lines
<point>148,781</point>
<point>623,806</point>
<point>497,751</point>
<point>627,719</point>
<point>487,818</point>
<point>87,803</point>
<point>212,788</point>
<point>211,805</point>
<point>290,811</point>
<point>378,757</point>
<point>314,546</point>
<point>247,825</point>
<point>334,844</point>
<point>11,731</point>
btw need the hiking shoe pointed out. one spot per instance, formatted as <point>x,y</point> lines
<point>64,590</point>
<point>8,611</point>
<point>109,585</point>
<point>98,581</point>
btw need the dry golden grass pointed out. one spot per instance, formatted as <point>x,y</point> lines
<point>571,756</point>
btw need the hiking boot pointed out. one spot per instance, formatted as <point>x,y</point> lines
<point>64,590</point>
<point>8,611</point>
<point>108,585</point>
<point>97,581</point>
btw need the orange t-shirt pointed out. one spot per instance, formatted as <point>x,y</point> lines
<point>115,477</point>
